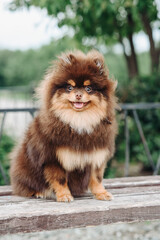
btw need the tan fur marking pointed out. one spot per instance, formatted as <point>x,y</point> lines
<point>62,192</point>
<point>87,83</point>
<point>98,190</point>
<point>79,121</point>
<point>58,112</point>
<point>39,195</point>
<point>71,159</point>
<point>104,196</point>
<point>47,194</point>
<point>71,82</point>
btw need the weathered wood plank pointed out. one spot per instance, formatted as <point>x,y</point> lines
<point>111,183</point>
<point>82,219</point>
<point>28,215</point>
<point>5,190</point>
<point>134,201</point>
<point>7,199</point>
<point>132,182</point>
<point>37,215</point>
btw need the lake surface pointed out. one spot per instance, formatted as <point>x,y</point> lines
<point>15,123</point>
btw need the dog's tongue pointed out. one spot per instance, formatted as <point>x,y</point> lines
<point>78,104</point>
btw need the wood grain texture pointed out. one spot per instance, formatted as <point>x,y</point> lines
<point>136,199</point>
<point>111,183</point>
<point>5,190</point>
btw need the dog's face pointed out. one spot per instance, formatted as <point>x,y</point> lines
<point>79,97</point>
<point>79,92</point>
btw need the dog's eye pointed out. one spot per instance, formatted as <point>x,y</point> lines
<point>88,89</point>
<point>69,88</point>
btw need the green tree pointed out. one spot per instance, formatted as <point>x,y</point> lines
<point>102,20</point>
<point>148,13</point>
<point>4,56</point>
<point>28,67</point>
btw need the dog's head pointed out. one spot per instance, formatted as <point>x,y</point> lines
<point>78,90</point>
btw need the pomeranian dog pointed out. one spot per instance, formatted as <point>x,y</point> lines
<point>67,145</point>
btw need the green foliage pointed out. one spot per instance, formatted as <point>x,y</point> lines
<point>83,15</point>
<point>95,23</point>
<point>104,21</point>
<point>4,56</point>
<point>147,89</point>
<point>108,20</point>
<point>117,67</point>
<point>6,144</point>
<point>148,92</point>
<point>148,7</point>
<point>32,65</point>
<point>144,63</point>
<point>28,67</point>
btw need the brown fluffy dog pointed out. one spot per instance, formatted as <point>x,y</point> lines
<point>69,142</point>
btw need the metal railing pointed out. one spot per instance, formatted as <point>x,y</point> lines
<point>134,107</point>
<point>125,109</point>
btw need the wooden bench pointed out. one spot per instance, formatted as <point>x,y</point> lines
<point>135,199</point>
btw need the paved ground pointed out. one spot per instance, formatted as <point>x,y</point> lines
<point>131,231</point>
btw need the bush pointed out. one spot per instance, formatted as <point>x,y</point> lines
<point>6,144</point>
<point>146,89</point>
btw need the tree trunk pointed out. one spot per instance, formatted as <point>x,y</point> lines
<point>130,61</point>
<point>153,52</point>
<point>133,58</point>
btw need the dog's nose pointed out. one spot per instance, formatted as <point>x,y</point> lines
<point>78,95</point>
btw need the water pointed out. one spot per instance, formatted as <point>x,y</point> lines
<point>15,123</point>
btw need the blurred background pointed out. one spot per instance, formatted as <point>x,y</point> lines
<point>126,32</point>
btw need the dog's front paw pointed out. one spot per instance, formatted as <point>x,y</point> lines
<point>105,196</point>
<point>39,195</point>
<point>65,198</point>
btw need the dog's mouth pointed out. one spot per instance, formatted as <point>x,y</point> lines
<point>79,105</point>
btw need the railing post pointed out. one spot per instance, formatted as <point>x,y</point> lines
<point>146,148</point>
<point>2,124</point>
<point>125,108</point>
<point>127,150</point>
<point>157,166</point>
<point>32,113</point>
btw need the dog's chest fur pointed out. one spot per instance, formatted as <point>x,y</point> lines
<point>71,159</point>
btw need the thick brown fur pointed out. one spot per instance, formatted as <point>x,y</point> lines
<point>67,146</point>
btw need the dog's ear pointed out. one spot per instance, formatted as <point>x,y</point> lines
<point>100,64</point>
<point>72,58</point>
<point>68,59</point>
<point>98,60</point>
